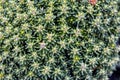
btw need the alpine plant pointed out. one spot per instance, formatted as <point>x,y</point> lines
<point>58,39</point>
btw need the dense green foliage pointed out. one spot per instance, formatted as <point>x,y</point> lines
<point>58,39</point>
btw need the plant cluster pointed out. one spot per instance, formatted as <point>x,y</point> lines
<point>58,39</point>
